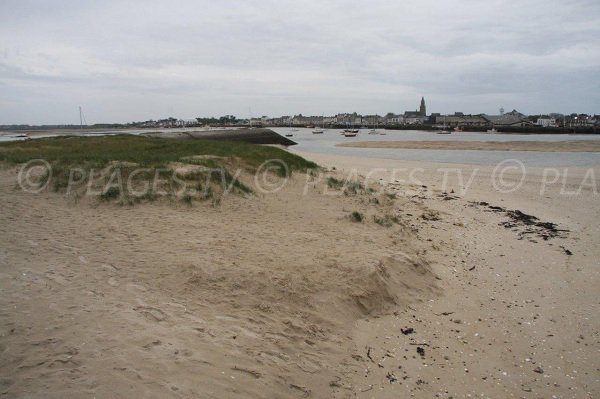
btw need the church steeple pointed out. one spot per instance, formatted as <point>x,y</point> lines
<point>422,109</point>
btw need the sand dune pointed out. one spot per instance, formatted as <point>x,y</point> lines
<point>247,299</point>
<point>282,295</point>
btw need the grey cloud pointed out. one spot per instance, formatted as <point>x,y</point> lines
<point>281,57</point>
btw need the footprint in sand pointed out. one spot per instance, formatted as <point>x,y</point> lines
<point>151,313</point>
<point>113,282</point>
<point>109,268</point>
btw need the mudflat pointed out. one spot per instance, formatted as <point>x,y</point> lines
<point>543,146</point>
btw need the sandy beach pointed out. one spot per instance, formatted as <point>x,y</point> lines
<point>437,292</point>
<point>544,146</point>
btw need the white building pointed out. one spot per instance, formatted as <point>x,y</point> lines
<point>546,122</point>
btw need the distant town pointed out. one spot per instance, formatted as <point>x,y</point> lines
<point>512,121</point>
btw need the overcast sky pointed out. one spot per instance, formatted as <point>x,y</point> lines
<point>136,60</point>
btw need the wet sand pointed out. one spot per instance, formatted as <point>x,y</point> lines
<point>542,146</point>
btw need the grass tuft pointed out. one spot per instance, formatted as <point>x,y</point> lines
<point>357,217</point>
<point>110,194</point>
<point>334,183</point>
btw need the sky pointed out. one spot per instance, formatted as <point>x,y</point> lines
<point>124,61</point>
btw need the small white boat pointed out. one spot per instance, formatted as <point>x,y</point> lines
<point>492,130</point>
<point>350,132</point>
<point>372,131</point>
<point>318,131</point>
<point>444,132</point>
<point>289,135</point>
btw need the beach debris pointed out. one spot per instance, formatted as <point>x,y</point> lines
<point>472,268</point>
<point>421,351</point>
<point>369,354</point>
<point>517,218</point>
<point>444,314</point>
<point>538,370</point>
<point>431,215</point>
<point>545,230</point>
<point>567,251</point>
<point>447,197</point>
<point>407,331</point>
<point>391,378</point>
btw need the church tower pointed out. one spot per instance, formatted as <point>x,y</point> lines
<point>422,109</point>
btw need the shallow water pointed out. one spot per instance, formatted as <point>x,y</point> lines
<point>326,143</point>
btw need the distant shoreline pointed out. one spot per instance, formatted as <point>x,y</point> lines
<point>539,146</point>
<point>73,129</point>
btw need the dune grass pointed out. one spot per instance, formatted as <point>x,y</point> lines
<point>143,151</point>
<point>135,159</point>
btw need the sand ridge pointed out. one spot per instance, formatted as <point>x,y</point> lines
<point>543,146</point>
<point>161,298</point>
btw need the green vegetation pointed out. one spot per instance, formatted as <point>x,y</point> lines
<point>386,220</point>
<point>187,199</point>
<point>350,187</point>
<point>334,183</point>
<point>134,169</point>
<point>353,187</point>
<point>357,217</point>
<point>143,151</point>
<point>111,193</point>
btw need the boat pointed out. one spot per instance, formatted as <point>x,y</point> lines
<point>22,136</point>
<point>444,128</point>
<point>372,131</point>
<point>459,129</point>
<point>320,130</point>
<point>291,134</point>
<point>492,130</point>
<point>350,132</point>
